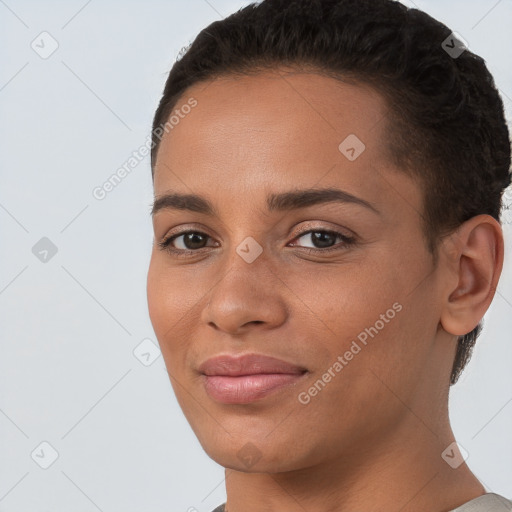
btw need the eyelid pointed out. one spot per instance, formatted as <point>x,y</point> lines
<point>323,230</point>
<point>188,228</point>
<point>309,226</point>
<point>165,242</point>
<point>306,227</point>
<point>347,240</point>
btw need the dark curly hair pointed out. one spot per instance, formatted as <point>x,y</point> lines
<point>446,126</point>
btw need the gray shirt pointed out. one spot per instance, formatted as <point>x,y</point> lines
<point>489,502</point>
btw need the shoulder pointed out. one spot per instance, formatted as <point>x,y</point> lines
<point>490,502</point>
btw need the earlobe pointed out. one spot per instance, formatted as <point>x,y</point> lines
<point>476,255</point>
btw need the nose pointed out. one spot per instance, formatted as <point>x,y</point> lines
<point>248,295</point>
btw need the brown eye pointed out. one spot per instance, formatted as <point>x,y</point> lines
<point>191,240</point>
<point>324,239</point>
<point>186,242</point>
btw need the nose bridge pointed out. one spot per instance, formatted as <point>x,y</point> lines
<point>246,238</point>
<point>246,292</point>
<point>246,251</point>
<point>247,261</point>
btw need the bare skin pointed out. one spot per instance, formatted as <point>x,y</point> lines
<point>372,438</point>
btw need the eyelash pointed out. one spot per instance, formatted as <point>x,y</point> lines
<point>165,244</point>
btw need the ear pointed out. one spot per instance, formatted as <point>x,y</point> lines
<point>475,253</point>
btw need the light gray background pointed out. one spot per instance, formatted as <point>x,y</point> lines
<point>68,374</point>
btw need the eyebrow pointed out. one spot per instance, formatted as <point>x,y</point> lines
<point>283,201</point>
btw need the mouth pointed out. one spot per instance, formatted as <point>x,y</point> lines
<point>245,389</point>
<point>245,379</point>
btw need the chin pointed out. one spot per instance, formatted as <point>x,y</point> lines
<point>251,456</point>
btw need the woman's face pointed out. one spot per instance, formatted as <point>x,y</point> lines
<point>343,289</point>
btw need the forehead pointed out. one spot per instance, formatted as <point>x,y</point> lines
<point>279,110</point>
<point>273,130</point>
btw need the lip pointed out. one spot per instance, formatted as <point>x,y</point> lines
<point>246,378</point>
<point>247,364</point>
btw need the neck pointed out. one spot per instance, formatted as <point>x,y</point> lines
<point>404,472</point>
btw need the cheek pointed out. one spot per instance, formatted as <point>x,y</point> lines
<point>390,322</point>
<point>343,300</point>
<point>365,314</point>
<point>369,322</point>
<point>175,298</point>
<point>157,297</point>
<point>168,301</point>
